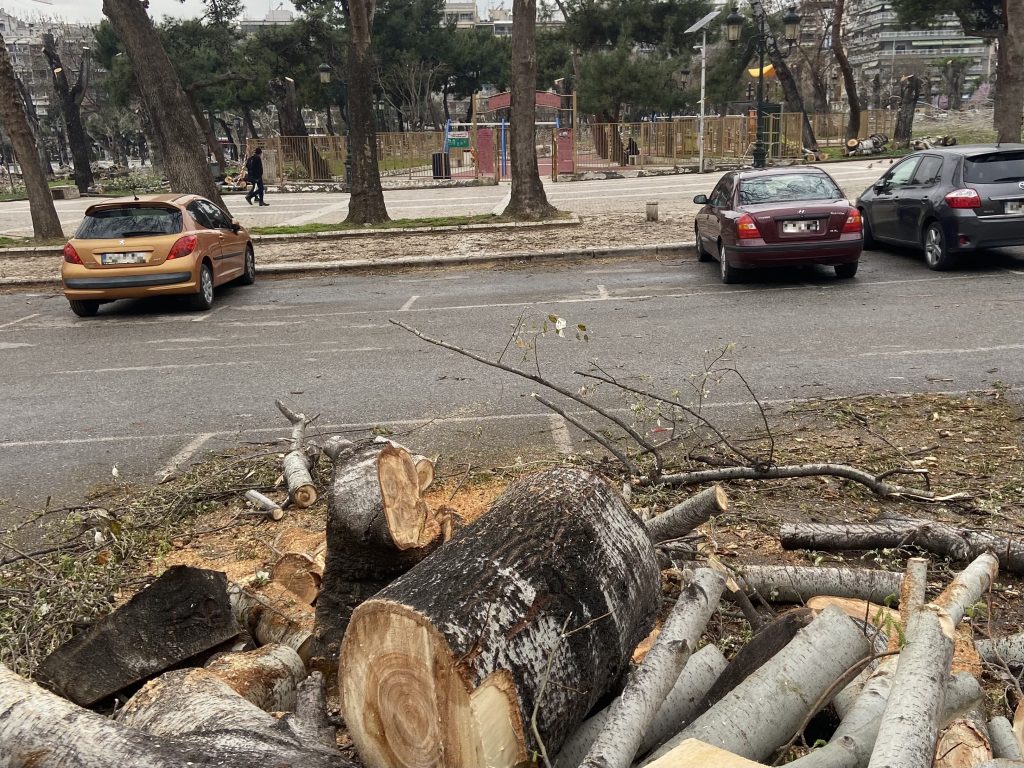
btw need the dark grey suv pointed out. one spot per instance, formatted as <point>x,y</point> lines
<point>949,201</point>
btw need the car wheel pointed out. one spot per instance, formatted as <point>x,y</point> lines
<point>249,271</point>
<point>203,299</point>
<point>729,273</point>
<point>846,271</point>
<point>86,308</point>
<point>935,253</point>
<point>702,254</point>
<point>869,239</point>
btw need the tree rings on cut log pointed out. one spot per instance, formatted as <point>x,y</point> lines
<point>539,603</point>
<point>300,574</point>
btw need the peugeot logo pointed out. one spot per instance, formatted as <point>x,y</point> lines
<point>1020,184</point>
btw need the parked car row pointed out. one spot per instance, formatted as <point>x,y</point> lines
<point>947,201</point>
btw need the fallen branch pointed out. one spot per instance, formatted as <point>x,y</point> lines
<point>683,518</point>
<point>301,491</point>
<point>1007,650</point>
<point>1004,742</point>
<point>796,584</point>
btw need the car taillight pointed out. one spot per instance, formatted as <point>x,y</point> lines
<point>963,198</point>
<point>71,255</point>
<point>746,229</point>
<point>183,247</point>
<point>853,223</point>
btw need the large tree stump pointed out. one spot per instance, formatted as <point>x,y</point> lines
<point>533,610</point>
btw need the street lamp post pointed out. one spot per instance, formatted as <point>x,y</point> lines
<point>733,27</point>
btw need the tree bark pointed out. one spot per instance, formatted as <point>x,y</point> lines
<point>1004,741</point>
<point>528,200</point>
<point>366,203</point>
<point>272,614</point>
<point>910,91</point>
<point>795,584</point>
<point>793,97</point>
<point>632,713</point>
<point>503,640</point>
<point>207,131</point>
<point>45,223</point>
<point>683,518</point>
<point>296,464</point>
<point>763,711</point>
<point>174,128</point>
<point>33,124</point>
<point>849,79</point>
<point>939,538</point>
<point>1009,96</point>
<point>70,99</point>
<point>1007,650</point>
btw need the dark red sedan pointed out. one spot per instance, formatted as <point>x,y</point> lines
<point>778,217</point>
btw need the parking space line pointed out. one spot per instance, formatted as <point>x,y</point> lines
<point>408,305</point>
<point>602,292</point>
<point>560,434</point>
<point>207,315</point>
<point>944,352</point>
<point>19,320</point>
<point>185,453</point>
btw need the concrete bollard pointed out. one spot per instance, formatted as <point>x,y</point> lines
<point>652,211</point>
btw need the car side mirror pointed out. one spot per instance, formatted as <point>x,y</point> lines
<point>235,226</point>
<point>881,185</point>
<point>700,199</point>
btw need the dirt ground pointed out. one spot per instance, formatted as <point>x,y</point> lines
<point>596,231</point>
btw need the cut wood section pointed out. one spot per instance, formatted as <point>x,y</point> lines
<point>684,518</point>
<point>696,754</point>
<point>863,611</point>
<point>300,574</point>
<point>267,677</point>
<point>964,743</point>
<point>184,612</point>
<point>424,471</point>
<point>273,614</point>
<point>538,604</point>
<point>797,584</point>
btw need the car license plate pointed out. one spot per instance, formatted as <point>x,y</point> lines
<point>131,257</point>
<point>1015,207</point>
<point>796,227</point>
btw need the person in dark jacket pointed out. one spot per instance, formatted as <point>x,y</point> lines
<point>254,173</point>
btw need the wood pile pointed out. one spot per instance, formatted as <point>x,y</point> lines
<point>540,633</point>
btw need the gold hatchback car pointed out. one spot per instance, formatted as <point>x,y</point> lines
<point>157,245</point>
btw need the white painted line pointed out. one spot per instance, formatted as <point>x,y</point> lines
<point>1015,272</point>
<point>602,292</point>
<point>19,320</point>
<point>185,453</point>
<point>207,315</point>
<point>408,305</point>
<point>502,204</point>
<point>560,433</point>
<point>944,352</point>
<point>184,340</point>
<point>325,211</point>
<point>13,345</point>
<point>177,366</point>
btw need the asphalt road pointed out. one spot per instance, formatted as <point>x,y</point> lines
<point>147,386</point>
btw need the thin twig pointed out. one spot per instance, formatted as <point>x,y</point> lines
<point>618,454</point>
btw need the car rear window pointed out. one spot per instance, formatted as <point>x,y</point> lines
<point>783,188</point>
<point>994,168</point>
<point>130,221</point>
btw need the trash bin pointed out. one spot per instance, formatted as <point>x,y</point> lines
<point>442,165</point>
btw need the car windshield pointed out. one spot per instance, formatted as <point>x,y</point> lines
<point>130,221</point>
<point>784,188</point>
<point>994,168</point>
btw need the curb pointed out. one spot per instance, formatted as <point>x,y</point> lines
<point>354,265</point>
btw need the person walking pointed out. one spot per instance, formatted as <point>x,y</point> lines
<point>254,173</point>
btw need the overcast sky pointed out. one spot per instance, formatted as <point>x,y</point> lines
<point>92,10</point>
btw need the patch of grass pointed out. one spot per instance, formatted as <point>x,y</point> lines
<point>26,242</point>
<point>431,221</point>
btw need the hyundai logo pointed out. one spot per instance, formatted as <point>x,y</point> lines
<point>1020,184</point>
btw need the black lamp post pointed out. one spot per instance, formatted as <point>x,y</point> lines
<point>733,27</point>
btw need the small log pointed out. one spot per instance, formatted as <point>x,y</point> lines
<point>41,730</point>
<point>683,518</point>
<point>968,587</point>
<point>939,538</point>
<point>964,743</point>
<point>273,614</point>
<point>272,509</point>
<point>300,574</point>
<point>763,711</point>
<point>424,471</point>
<point>1007,650</point>
<point>296,464</point>
<point>863,611</point>
<point>183,613</point>
<point>680,705</point>
<point>266,677</point>
<point>797,584</point>
<point>1004,741</point>
<point>645,692</point>
<point>504,639</point>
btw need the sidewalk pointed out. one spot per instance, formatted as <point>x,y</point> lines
<point>598,236</point>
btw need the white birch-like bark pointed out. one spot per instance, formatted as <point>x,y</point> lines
<point>696,679</point>
<point>273,615</point>
<point>267,677</point>
<point>1002,650</point>
<point>764,711</point>
<point>683,518</point>
<point>1002,762</point>
<point>796,584</point>
<point>646,689</point>
<point>295,465</point>
<point>1004,741</point>
<point>968,587</point>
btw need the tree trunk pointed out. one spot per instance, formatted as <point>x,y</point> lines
<point>45,224</point>
<point>763,711</point>
<point>1009,96</point>
<point>33,123</point>
<point>795,584</point>
<point>1004,741</point>
<point>910,91</point>
<point>207,130</point>
<point>249,124</point>
<point>235,154</point>
<point>528,615</point>
<point>849,79</point>
<point>366,204</point>
<point>266,677</point>
<point>70,100</point>
<point>174,128</point>
<point>683,518</point>
<point>793,97</point>
<point>528,200</point>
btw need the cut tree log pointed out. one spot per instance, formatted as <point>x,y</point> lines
<point>267,505</point>
<point>1007,650</point>
<point>878,616</point>
<point>683,518</point>
<point>797,584</point>
<point>41,730</point>
<point>267,677</point>
<point>968,587</point>
<point>693,753</point>
<point>503,640</point>
<point>273,614</point>
<point>679,706</point>
<point>300,574</point>
<point>964,743</point>
<point>632,713</point>
<point>378,527</point>
<point>762,712</point>
<point>939,538</point>
<point>183,613</point>
<point>296,464</point>
<point>1004,741</point>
